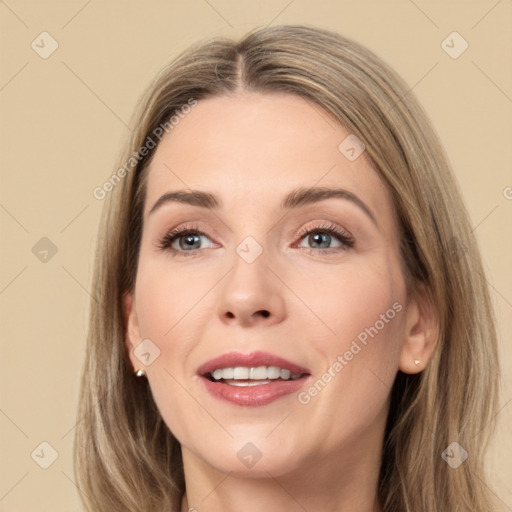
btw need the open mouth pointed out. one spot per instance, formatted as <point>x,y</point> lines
<point>253,379</point>
<point>245,376</point>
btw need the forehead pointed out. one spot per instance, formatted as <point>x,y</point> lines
<point>254,148</point>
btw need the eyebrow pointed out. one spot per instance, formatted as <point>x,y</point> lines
<point>294,199</point>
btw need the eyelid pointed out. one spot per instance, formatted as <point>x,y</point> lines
<point>345,237</point>
<point>164,243</point>
<point>346,240</point>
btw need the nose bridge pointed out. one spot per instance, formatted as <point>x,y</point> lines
<point>251,292</point>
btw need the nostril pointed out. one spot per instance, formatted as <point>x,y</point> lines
<point>264,313</point>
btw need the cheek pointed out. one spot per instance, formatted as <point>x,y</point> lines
<point>362,311</point>
<point>166,300</point>
<point>350,300</point>
<point>369,312</point>
<point>173,312</point>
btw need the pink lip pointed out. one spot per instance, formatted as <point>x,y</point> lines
<point>252,395</point>
<point>254,359</point>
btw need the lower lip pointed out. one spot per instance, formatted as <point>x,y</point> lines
<point>253,395</point>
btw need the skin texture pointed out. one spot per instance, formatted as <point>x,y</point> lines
<point>250,150</point>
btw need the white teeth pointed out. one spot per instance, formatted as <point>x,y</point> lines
<point>247,383</point>
<point>273,372</point>
<point>259,373</point>
<point>285,374</point>
<point>218,374</point>
<point>241,372</point>
<point>228,373</point>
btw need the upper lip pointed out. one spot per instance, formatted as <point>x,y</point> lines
<point>251,360</point>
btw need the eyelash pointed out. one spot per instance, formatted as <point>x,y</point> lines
<point>345,238</point>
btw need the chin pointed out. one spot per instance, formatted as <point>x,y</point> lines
<point>252,455</point>
<point>276,464</point>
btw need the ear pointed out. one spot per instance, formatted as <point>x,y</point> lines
<point>132,336</point>
<point>421,332</point>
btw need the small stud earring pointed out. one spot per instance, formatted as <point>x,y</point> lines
<point>417,362</point>
<point>140,374</point>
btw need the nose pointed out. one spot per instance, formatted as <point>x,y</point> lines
<point>251,294</point>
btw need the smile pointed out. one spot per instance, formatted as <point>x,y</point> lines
<point>252,379</point>
<point>252,376</point>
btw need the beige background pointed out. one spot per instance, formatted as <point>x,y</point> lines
<point>63,119</point>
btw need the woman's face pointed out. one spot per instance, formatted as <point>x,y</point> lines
<point>274,274</point>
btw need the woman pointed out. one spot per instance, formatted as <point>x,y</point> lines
<point>289,309</point>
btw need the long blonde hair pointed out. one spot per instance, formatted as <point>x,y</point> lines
<point>126,459</point>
